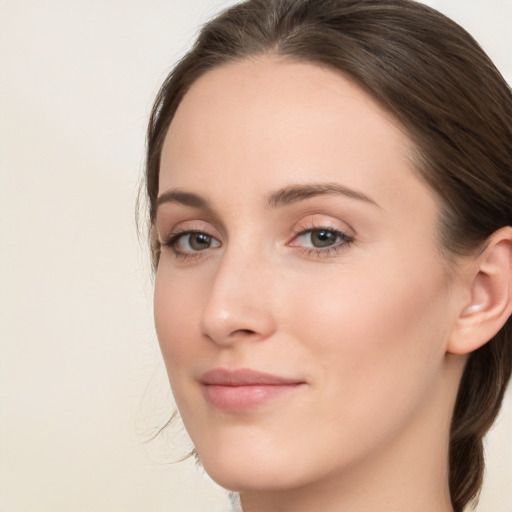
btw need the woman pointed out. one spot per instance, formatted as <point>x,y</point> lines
<point>330,201</point>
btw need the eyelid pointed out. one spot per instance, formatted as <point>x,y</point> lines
<point>182,229</point>
<point>319,222</point>
<point>174,239</point>
<point>315,225</point>
<point>345,236</point>
<point>171,215</point>
<point>192,225</point>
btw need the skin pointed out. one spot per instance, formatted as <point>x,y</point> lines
<point>365,324</point>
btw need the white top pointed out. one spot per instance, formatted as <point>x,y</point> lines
<point>234,499</point>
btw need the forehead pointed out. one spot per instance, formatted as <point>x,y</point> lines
<point>271,122</point>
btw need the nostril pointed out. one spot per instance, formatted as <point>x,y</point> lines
<point>244,331</point>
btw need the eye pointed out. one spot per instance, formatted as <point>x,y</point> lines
<point>189,243</point>
<point>321,237</point>
<point>321,241</point>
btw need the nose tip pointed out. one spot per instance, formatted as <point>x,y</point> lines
<point>235,323</point>
<point>236,310</point>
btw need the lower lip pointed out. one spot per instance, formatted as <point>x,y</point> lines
<point>240,398</point>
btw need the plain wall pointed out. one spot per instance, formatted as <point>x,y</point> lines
<point>81,376</point>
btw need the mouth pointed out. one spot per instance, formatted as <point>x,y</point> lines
<point>244,389</point>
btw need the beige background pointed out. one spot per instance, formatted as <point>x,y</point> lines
<point>81,377</point>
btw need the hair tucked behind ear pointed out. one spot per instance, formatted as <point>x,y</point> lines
<point>481,392</point>
<point>438,83</point>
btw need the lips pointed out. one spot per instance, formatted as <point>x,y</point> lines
<point>243,389</point>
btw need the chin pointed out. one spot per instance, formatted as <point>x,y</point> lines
<point>245,472</point>
<point>250,481</point>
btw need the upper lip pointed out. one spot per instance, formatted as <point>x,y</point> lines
<point>244,377</point>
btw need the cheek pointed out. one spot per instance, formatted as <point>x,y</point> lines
<point>374,334</point>
<point>176,308</point>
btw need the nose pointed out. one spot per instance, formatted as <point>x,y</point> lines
<point>239,305</point>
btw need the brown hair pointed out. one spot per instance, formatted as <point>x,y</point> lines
<point>440,85</point>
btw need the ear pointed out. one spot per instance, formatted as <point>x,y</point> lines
<point>490,286</point>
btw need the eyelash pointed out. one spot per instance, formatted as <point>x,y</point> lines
<point>331,250</point>
<point>173,239</point>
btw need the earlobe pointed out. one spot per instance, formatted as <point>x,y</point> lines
<point>490,303</point>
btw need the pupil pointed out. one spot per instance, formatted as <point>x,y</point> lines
<point>322,238</point>
<point>199,241</point>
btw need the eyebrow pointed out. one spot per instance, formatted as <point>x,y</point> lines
<point>296,193</point>
<point>184,198</point>
<point>282,197</point>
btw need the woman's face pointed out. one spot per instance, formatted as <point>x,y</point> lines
<point>301,303</point>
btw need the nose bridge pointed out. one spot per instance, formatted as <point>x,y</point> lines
<point>238,304</point>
